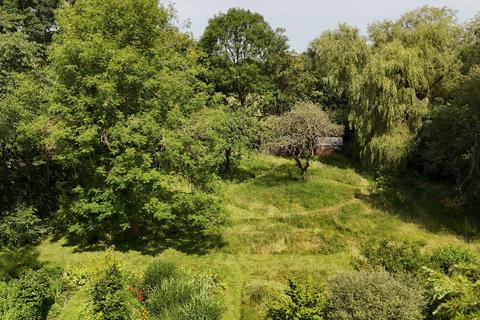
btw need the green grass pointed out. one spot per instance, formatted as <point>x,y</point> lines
<point>282,227</point>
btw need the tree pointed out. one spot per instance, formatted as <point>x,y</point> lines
<point>241,50</point>
<point>407,72</point>
<point>35,18</point>
<point>290,82</point>
<point>296,133</point>
<point>126,81</point>
<point>451,139</point>
<point>337,59</point>
<point>26,28</point>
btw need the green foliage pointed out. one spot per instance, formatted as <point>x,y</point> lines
<point>27,175</point>
<point>456,297</point>
<point>291,82</point>
<point>386,84</point>
<point>301,302</point>
<point>30,297</point>
<point>19,228</point>
<point>392,256</point>
<point>373,295</point>
<point>451,138</point>
<point>108,296</point>
<point>295,133</point>
<point>126,82</point>
<point>337,58</point>
<point>448,258</point>
<point>171,294</point>
<point>241,51</point>
<point>35,18</point>
<point>226,135</point>
<point>157,272</point>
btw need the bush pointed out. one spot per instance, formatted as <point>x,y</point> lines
<point>392,256</point>
<point>28,298</point>
<point>444,259</point>
<point>173,295</point>
<point>108,296</point>
<point>367,295</point>
<point>20,227</point>
<point>300,302</point>
<point>457,296</point>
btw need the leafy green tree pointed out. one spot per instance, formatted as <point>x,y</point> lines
<point>296,133</point>
<point>26,28</point>
<point>451,140</point>
<point>291,82</point>
<point>126,81</point>
<point>401,80</point>
<point>27,174</point>
<point>337,59</point>
<point>20,228</point>
<point>35,18</point>
<point>241,50</point>
<point>109,296</point>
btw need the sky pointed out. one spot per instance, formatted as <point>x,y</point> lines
<point>305,20</point>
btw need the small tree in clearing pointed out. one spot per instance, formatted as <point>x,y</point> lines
<point>296,132</point>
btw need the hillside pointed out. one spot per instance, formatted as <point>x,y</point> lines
<point>282,227</point>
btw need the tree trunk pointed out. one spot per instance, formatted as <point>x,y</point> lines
<point>303,168</point>
<point>473,175</point>
<point>303,173</point>
<point>227,162</point>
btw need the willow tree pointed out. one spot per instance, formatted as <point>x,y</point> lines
<point>388,113</point>
<point>412,59</point>
<point>336,59</point>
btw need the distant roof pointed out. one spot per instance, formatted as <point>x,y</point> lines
<point>330,142</point>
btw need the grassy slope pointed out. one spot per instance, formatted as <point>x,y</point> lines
<point>282,227</point>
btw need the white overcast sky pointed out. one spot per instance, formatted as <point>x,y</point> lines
<point>306,19</point>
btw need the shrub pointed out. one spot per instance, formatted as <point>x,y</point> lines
<point>300,303</point>
<point>108,296</point>
<point>457,296</point>
<point>392,256</point>
<point>444,259</point>
<point>28,298</point>
<point>20,227</point>
<point>367,295</point>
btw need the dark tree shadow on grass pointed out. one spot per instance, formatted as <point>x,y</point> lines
<point>423,203</point>
<point>153,244</point>
<point>15,262</point>
<point>278,175</point>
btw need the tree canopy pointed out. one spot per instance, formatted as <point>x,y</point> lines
<point>296,133</point>
<point>241,53</point>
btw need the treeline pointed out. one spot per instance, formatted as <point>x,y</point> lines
<point>115,125</point>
